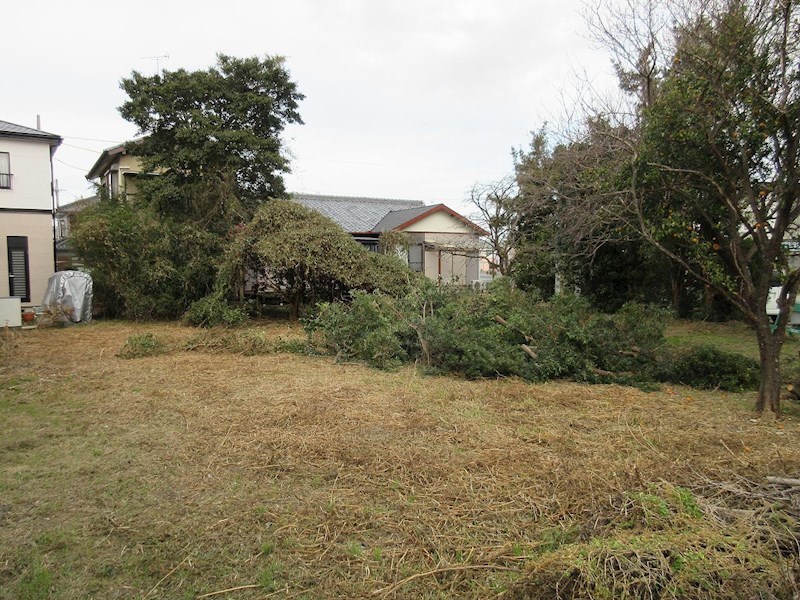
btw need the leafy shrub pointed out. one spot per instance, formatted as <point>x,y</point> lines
<point>487,335</point>
<point>367,329</point>
<point>509,332</point>
<point>212,311</point>
<point>306,257</point>
<point>708,367</point>
<point>141,345</point>
<point>144,266</point>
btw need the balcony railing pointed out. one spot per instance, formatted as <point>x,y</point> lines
<point>5,181</point>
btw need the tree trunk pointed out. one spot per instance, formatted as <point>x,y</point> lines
<point>769,348</point>
<point>294,305</point>
<point>676,283</point>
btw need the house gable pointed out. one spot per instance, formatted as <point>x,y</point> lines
<point>429,219</point>
<point>438,222</point>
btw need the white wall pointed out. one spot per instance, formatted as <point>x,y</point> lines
<point>30,167</point>
<point>439,222</point>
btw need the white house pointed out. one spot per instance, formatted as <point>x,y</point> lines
<point>27,258</point>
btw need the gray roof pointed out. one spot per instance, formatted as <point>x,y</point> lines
<point>399,217</point>
<point>77,205</point>
<point>12,129</point>
<point>355,215</point>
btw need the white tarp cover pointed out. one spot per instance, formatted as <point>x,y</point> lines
<point>69,296</point>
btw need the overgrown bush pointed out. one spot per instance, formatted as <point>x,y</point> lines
<point>708,367</point>
<point>509,332</point>
<point>369,329</point>
<point>305,257</point>
<point>144,266</point>
<point>212,311</point>
<point>504,332</point>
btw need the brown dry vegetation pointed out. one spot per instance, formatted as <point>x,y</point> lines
<point>286,476</point>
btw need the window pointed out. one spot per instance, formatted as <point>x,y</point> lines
<point>416,258</point>
<point>5,171</point>
<point>113,183</point>
<point>18,278</point>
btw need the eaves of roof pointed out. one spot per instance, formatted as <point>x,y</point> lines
<point>104,161</point>
<point>20,131</point>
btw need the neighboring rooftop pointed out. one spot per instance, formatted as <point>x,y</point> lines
<point>398,219</point>
<point>104,161</point>
<point>353,214</point>
<point>13,130</point>
<point>77,205</point>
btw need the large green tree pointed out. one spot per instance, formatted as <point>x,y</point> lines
<point>212,148</point>
<point>213,136</point>
<point>702,162</point>
<point>719,161</point>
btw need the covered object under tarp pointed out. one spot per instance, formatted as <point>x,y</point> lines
<point>69,296</point>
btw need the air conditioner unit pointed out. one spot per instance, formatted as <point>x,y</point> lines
<point>10,312</point>
<point>479,284</point>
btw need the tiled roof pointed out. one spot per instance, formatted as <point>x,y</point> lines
<point>78,205</point>
<point>354,215</point>
<point>398,217</point>
<point>12,129</point>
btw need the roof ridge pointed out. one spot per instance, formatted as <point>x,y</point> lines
<point>351,198</point>
<point>15,128</point>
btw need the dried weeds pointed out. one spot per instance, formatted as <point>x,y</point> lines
<point>192,473</point>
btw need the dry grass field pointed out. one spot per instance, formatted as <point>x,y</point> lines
<point>210,474</point>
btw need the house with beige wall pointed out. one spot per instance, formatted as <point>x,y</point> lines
<point>116,170</point>
<point>443,245</point>
<point>27,258</point>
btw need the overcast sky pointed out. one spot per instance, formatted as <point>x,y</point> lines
<point>407,99</point>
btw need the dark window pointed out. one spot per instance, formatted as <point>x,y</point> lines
<point>416,261</point>
<point>5,171</point>
<point>18,272</point>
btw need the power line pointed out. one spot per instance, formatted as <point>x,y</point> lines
<point>93,151</point>
<point>71,166</point>
<point>75,137</point>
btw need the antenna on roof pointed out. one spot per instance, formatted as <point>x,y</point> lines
<point>158,60</point>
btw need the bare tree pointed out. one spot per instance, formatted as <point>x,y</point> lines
<point>496,206</point>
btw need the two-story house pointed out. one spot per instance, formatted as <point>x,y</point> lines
<point>116,171</point>
<point>27,258</point>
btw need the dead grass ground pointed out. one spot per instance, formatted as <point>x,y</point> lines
<point>189,473</point>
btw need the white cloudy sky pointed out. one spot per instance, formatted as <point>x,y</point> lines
<point>410,99</point>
